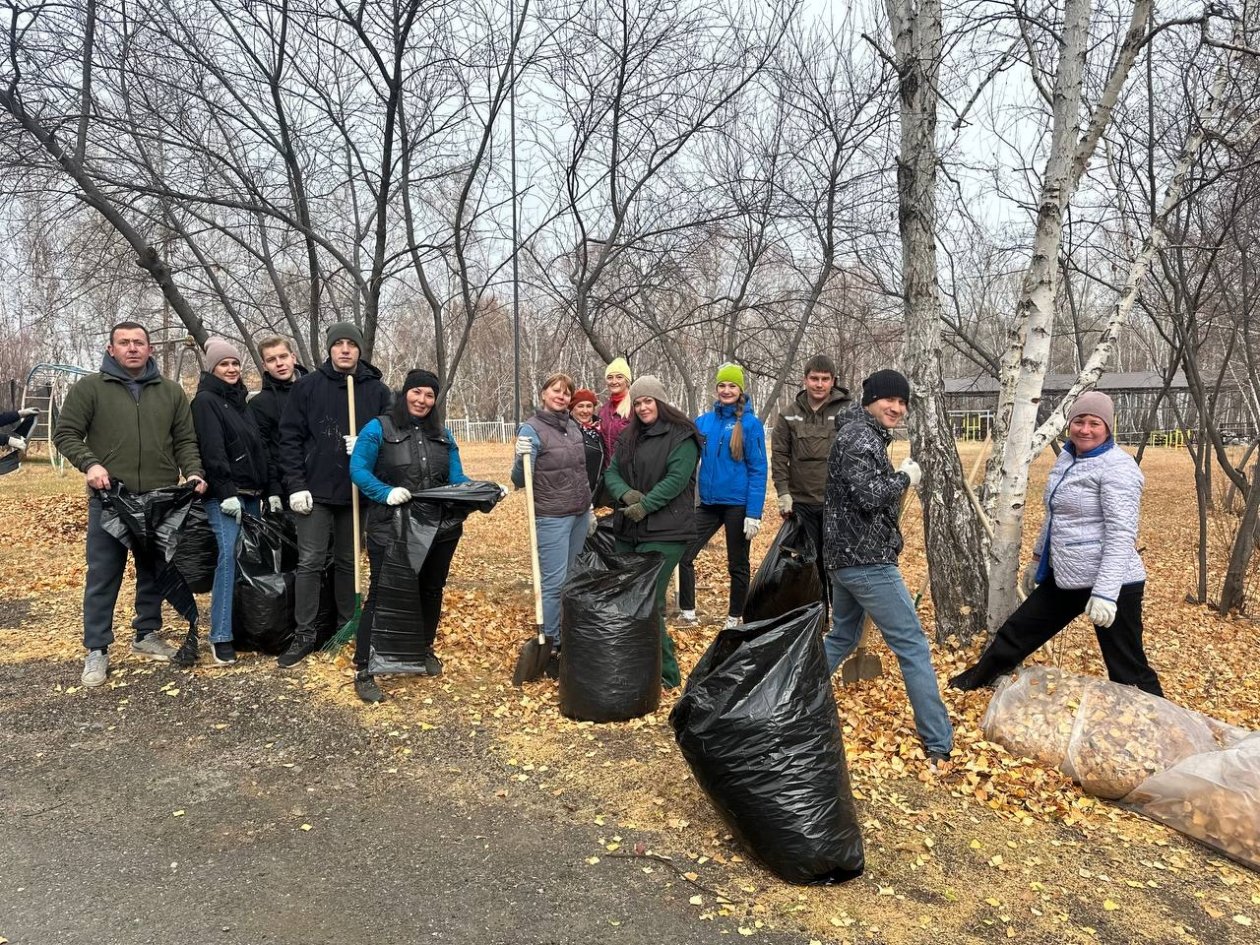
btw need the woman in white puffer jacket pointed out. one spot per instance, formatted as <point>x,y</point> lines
<point>1085,559</point>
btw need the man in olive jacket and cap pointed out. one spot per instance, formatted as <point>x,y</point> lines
<point>125,424</point>
<point>315,446</point>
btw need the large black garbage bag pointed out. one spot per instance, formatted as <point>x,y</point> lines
<point>757,724</point>
<point>604,541</point>
<point>262,604</point>
<point>787,577</point>
<point>399,642</point>
<point>610,635</point>
<point>197,551</point>
<point>149,524</point>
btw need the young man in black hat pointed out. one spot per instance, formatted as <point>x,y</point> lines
<point>280,372</point>
<point>861,543</point>
<point>315,446</point>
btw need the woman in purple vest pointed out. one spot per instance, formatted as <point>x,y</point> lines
<point>562,495</point>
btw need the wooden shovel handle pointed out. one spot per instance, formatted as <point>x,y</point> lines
<point>527,462</point>
<point>354,492</point>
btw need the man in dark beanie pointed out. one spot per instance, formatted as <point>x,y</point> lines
<point>315,446</point>
<point>862,540</point>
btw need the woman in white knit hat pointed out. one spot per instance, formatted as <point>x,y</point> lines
<point>1085,559</point>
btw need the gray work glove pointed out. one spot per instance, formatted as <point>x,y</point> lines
<point>632,496</point>
<point>302,502</point>
<point>636,512</point>
<point>232,507</point>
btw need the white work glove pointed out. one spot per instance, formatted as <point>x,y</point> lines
<point>1101,611</point>
<point>302,502</point>
<point>592,522</point>
<point>785,504</point>
<point>350,441</point>
<point>29,412</point>
<point>17,442</point>
<point>524,446</point>
<point>503,491</point>
<point>1028,583</point>
<point>751,527</point>
<point>911,469</point>
<point>397,496</point>
<point>275,504</point>
<point>231,507</point>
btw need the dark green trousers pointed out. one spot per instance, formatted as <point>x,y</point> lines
<point>673,552</point>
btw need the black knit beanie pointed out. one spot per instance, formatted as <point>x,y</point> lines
<point>419,377</point>
<point>883,384</point>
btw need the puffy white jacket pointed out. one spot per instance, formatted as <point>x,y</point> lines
<point>1091,521</point>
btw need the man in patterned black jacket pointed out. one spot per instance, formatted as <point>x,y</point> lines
<point>861,542</point>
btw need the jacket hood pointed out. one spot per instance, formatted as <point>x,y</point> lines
<point>364,372</point>
<point>728,410</point>
<point>837,395</point>
<point>235,394</point>
<point>112,369</point>
<point>270,383</point>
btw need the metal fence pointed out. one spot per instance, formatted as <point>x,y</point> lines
<point>482,431</point>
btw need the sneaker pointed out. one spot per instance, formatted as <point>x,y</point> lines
<point>153,647</point>
<point>432,665</point>
<point>732,623</point>
<point>939,762</point>
<point>95,668</point>
<point>298,650</point>
<point>688,618</point>
<point>224,653</point>
<point>365,688</point>
<point>552,669</point>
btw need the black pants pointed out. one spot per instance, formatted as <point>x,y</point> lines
<point>1050,608</point>
<point>709,518</point>
<point>811,517</point>
<point>106,562</point>
<point>326,525</point>
<point>432,581</point>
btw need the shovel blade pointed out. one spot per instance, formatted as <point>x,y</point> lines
<point>531,661</point>
<point>862,665</point>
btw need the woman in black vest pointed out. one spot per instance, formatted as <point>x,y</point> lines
<point>562,495</point>
<point>396,454</point>
<point>653,479</point>
<point>235,460</point>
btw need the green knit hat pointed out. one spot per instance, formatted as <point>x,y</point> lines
<point>730,373</point>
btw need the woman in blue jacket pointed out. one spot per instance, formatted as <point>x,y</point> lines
<point>732,490</point>
<point>403,451</point>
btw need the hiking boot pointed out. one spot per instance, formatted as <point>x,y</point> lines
<point>732,623</point>
<point>224,653</point>
<point>938,762</point>
<point>95,668</point>
<point>153,647</point>
<point>687,618</point>
<point>298,650</point>
<point>432,665</point>
<point>365,688</point>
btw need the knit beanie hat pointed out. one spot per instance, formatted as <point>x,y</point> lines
<point>418,377</point>
<point>883,384</point>
<point>583,396</point>
<point>730,373</point>
<point>1096,404</point>
<point>347,330</point>
<point>648,385</point>
<point>219,349</point>
<point>619,366</point>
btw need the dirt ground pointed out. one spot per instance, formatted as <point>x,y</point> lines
<point>173,805</point>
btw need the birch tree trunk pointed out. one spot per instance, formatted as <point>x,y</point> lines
<point>955,545</point>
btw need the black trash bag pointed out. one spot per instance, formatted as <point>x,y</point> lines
<point>787,577</point>
<point>10,461</point>
<point>150,524</point>
<point>197,551</point>
<point>603,541</point>
<point>610,637</point>
<point>399,641</point>
<point>262,603</point>
<point>758,726</point>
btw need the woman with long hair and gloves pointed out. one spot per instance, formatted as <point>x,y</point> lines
<point>235,458</point>
<point>562,495</point>
<point>582,409</point>
<point>1085,560</point>
<point>732,491</point>
<point>614,415</point>
<point>652,477</point>
<point>396,454</point>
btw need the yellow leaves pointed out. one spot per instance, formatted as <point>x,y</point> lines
<point>1243,920</point>
<point>178,813</point>
<point>305,828</point>
<point>696,900</point>
<point>1110,905</point>
<point>592,860</point>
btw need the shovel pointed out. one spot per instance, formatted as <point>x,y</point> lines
<point>351,628</point>
<point>535,652</point>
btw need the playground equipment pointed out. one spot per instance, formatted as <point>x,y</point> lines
<point>46,386</point>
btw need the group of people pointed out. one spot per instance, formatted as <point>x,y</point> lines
<point>672,481</point>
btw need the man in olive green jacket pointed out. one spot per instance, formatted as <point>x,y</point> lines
<point>125,424</point>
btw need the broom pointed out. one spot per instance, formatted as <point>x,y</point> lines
<point>344,635</point>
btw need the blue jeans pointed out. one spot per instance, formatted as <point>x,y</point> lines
<point>560,540</point>
<point>878,589</point>
<point>226,531</point>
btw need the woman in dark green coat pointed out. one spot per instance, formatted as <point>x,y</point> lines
<point>653,479</point>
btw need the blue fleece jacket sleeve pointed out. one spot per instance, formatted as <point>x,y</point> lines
<point>457,474</point>
<point>363,460</point>
<point>755,459</point>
